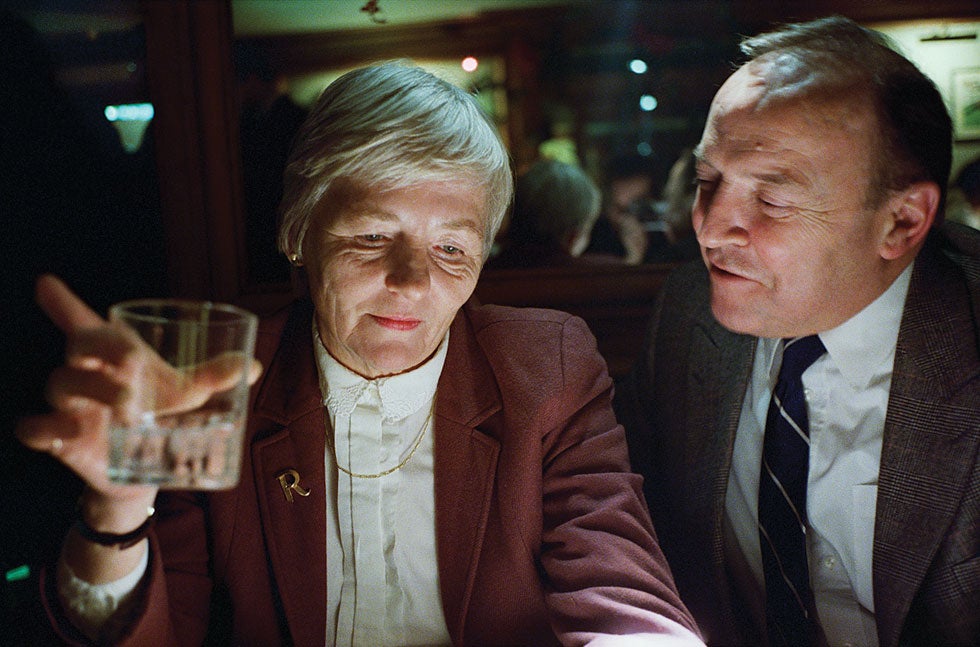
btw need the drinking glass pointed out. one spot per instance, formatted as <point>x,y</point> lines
<point>171,439</point>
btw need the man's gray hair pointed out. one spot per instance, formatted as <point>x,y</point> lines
<point>914,138</point>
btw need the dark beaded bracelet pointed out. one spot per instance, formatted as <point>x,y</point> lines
<point>123,541</point>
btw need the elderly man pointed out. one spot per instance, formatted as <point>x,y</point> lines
<point>845,508</point>
<point>419,470</point>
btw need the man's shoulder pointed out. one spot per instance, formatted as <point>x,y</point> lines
<point>961,244</point>
<point>686,292</point>
<point>692,274</point>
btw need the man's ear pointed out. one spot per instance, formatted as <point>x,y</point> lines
<point>910,216</point>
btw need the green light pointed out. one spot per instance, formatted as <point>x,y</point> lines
<point>19,573</point>
<point>129,112</point>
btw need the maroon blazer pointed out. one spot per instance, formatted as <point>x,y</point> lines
<point>542,530</point>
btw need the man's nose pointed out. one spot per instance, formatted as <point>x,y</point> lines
<point>722,217</point>
<point>408,270</point>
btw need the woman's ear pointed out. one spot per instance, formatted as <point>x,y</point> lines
<point>910,216</point>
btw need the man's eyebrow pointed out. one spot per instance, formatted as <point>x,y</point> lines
<point>782,177</point>
<point>699,160</point>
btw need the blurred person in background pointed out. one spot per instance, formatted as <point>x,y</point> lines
<point>676,241</point>
<point>268,121</point>
<point>555,207</point>
<point>630,190</point>
<point>964,196</point>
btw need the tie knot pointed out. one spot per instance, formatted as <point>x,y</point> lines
<point>799,353</point>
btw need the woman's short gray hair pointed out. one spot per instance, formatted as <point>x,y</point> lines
<point>392,125</point>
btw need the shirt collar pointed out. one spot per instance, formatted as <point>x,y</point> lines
<point>863,347</point>
<point>400,395</point>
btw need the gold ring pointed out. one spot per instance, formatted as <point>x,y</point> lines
<point>56,445</point>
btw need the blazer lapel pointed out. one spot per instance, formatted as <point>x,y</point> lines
<point>928,448</point>
<point>724,362</point>
<point>465,467</point>
<point>722,370</point>
<point>294,530</point>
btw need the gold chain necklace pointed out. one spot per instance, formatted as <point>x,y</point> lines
<point>357,475</point>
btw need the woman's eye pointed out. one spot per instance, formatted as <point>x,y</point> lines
<point>450,249</point>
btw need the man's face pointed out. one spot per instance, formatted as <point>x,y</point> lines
<point>388,270</point>
<point>781,213</point>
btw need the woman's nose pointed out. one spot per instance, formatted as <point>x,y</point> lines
<point>408,270</point>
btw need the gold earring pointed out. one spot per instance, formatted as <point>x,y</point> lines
<point>295,260</point>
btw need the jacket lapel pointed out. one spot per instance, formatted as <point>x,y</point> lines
<point>928,448</point>
<point>295,531</point>
<point>723,368</point>
<point>465,467</point>
<point>725,359</point>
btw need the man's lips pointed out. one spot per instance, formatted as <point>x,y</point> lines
<point>717,270</point>
<point>729,267</point>
<point>397,323</point>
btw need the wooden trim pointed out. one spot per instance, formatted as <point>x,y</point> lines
<point>577,287</point>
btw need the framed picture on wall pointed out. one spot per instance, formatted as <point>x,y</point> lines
<point>966,103</point>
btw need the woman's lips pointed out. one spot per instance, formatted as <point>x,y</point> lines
<point>397,323</point>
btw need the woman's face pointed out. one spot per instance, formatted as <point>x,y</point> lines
<point>389,269</point>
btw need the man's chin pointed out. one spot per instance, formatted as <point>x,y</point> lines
<point>737,318</point>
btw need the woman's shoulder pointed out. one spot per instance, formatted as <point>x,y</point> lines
<point>531,340</point>
<point>490,314</point>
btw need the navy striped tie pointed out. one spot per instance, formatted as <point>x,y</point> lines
<point>782,499</point>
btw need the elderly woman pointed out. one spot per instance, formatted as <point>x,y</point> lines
<point>419,470</point>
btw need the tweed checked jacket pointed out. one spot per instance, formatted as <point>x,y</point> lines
<point>681,409</point>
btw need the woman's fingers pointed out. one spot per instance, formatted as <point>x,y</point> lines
<point>63,307</point>
<point>70,388</point>
<point>69,437</point>
<point>191,391</point>
<point>48,432</point>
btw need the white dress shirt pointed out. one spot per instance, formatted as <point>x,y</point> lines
<point>385,588</point>
<point>847,396</point>
<point>382,571</point>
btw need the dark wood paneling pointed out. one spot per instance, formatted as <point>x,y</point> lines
<point>196,129</point>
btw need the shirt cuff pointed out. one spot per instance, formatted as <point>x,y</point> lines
<point>90,606</point>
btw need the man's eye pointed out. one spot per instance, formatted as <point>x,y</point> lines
<point>372,238</point>
<point>450,249</point>
<point>703,184</point>
<point>767,201</point>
